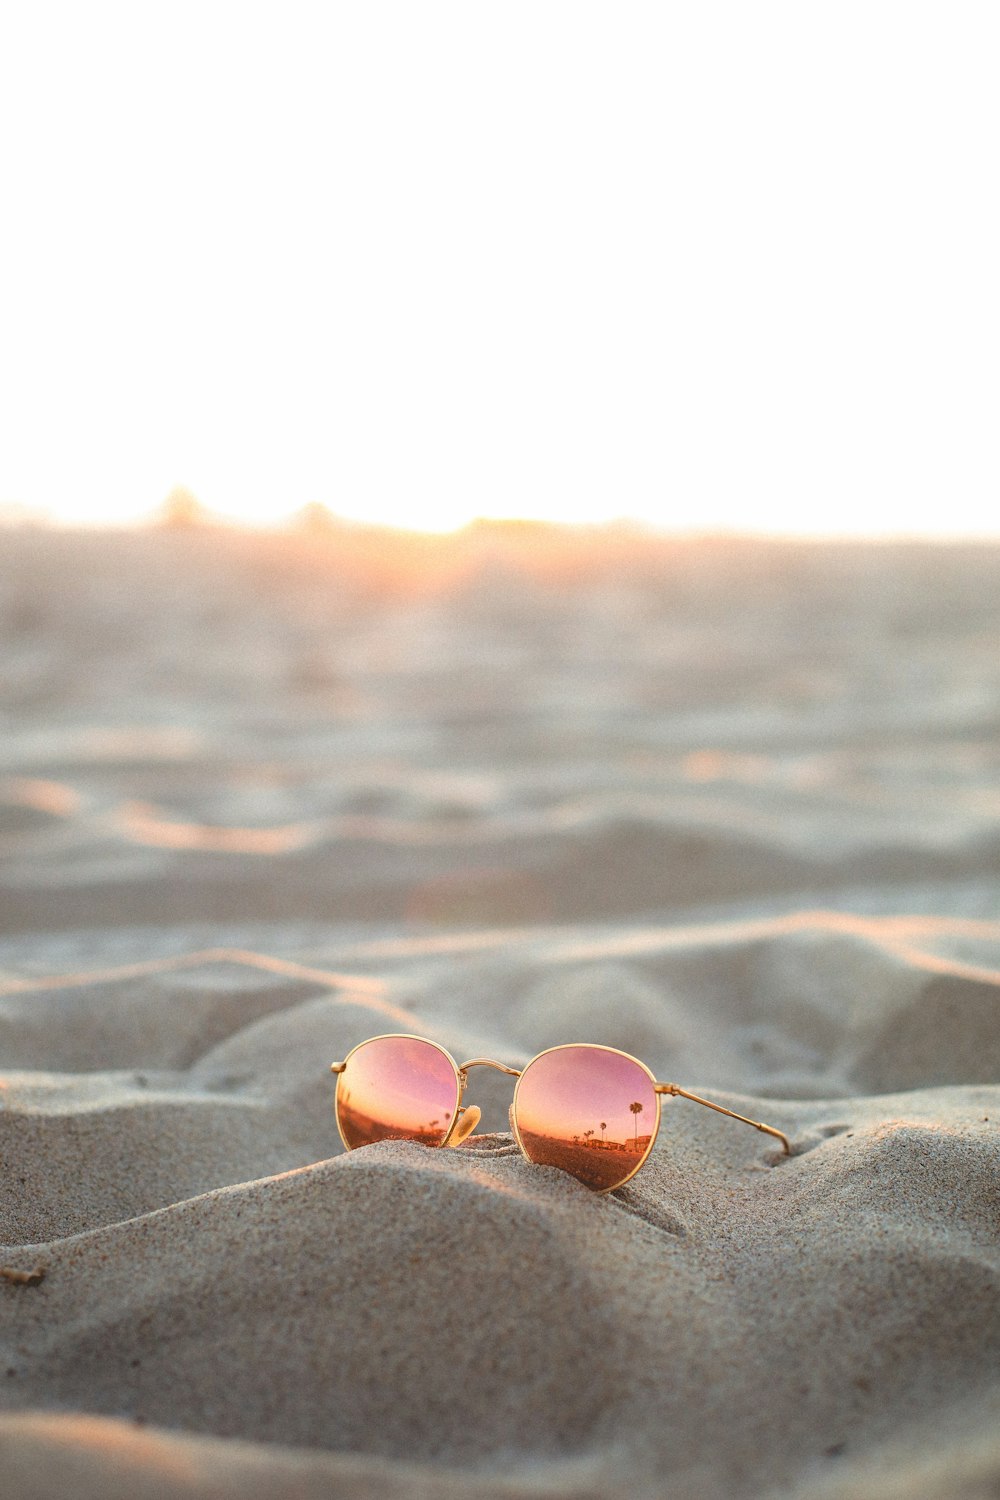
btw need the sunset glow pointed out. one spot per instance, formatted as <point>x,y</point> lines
<point>707,267</point>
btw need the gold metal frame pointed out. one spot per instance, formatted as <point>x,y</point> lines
<point>465,1118</point>
<point>676,1090</point>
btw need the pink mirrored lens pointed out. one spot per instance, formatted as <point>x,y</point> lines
<point>589,1111</point>
<point>396,1088</point>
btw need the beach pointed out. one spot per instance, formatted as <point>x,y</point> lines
<point>730,805</point>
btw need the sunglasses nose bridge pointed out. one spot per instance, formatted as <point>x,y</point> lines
<point>462,1129</point>
<point>486,1062</point>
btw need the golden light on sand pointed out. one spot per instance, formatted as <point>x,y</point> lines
<point>708,268</point>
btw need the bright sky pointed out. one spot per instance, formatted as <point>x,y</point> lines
<point>703,264</point>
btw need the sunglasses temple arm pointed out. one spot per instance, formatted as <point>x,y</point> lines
<point>673,1088</point>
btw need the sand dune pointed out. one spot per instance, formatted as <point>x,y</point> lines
<point>732,809</point>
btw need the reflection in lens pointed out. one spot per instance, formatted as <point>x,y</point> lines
<point>589,1110</point>
<point>396,1088</point>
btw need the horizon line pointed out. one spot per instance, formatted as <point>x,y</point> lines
<point>314,518</point>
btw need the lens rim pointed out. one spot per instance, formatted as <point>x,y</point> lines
<point>399,1036</point>
<point>591,1047</point>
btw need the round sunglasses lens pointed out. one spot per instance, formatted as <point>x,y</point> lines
<point>396,1088</point>
<point>588,1110</point>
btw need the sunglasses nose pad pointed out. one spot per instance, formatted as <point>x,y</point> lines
<point>468,1119</point>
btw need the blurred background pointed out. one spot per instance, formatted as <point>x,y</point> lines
<point>515,724</point>
<point>697,307</point>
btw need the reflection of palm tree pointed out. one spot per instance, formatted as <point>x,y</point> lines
<point>604,1126</point>
<point>636,1109</point>
<point>587,1134</point>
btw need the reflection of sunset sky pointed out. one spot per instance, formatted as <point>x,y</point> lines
<point>407,1084</point>
<point>575,1089</point>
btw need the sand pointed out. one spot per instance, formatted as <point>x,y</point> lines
<point>729,806</point>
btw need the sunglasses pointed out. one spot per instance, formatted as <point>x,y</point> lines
<point>592,1111</point>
